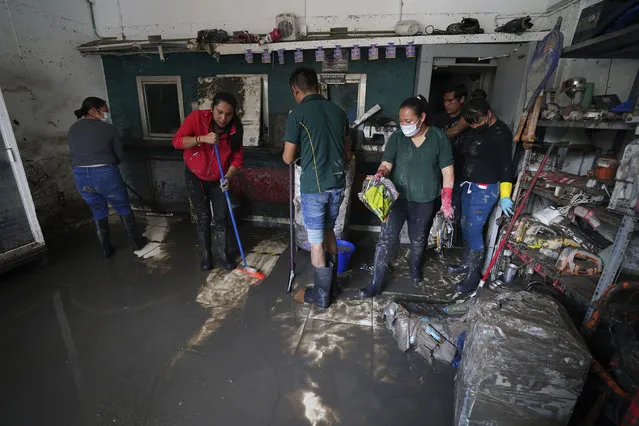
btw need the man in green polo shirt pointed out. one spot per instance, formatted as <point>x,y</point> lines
<point>319,128</point>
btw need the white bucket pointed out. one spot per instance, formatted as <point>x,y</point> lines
<point>344,210</point>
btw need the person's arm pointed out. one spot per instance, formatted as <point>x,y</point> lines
<point>348,153</point>
<point>291,138</point>
<point>457,129</point>
<point>504,152</point>
<point>237,157</point>
<point>118,149</point>
<point>187,137</point>
<point>448,175</point>
<point>388,158</point>
<point>290,149</point>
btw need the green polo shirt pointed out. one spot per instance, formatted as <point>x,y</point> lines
<point>319,128</point>
<point>416,171</point>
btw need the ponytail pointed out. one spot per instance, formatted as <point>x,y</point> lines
<point>88,104</point>
<point>418,104</point>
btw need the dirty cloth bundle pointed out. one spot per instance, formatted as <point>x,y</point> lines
<point>378,197</point>
<point>523,362</point>
<point>428,338</point>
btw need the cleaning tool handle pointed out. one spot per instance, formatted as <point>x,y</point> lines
<point>291,192</point>
<point>228,202</point>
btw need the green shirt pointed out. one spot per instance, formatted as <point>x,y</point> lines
<point>319,128</point>
<point>416,171</point>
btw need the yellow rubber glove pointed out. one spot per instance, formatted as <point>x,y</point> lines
<point>505,189</point>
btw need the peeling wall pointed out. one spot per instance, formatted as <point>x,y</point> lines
<point>136,19</point>
<point>44,79</point>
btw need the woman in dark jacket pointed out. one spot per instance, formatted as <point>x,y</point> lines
<point>96,151</point>
<point>201,130</point>
<point>487,181</point>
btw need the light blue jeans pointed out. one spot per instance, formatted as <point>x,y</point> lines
<point>319,212</point>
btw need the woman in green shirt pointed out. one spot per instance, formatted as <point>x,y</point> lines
<point>417,159</point>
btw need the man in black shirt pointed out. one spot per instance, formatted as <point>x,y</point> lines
<point>487,177</point>
<point>454,125</point>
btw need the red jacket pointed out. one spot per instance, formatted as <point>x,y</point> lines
<point>201,159</point>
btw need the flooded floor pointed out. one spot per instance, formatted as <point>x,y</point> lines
<point>147,338</point>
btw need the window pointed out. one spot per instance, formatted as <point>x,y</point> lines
<point>161,106</point>
<point>346,90</point>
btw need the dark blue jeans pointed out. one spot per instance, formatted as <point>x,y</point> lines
<point>101,186</point>
<point>477,203</point>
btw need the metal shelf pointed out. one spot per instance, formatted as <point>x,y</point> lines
<point>602,125</point>
<point>620,44</point>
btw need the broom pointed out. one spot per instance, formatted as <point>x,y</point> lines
<point>246,269</point>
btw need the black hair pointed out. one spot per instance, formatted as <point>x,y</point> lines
<point>478,94</point>
<point>88,104</point>
<point>459,91</point>
<point>305,79</point>
<point>418,104</point>
<point>235,140</point>
<point>227,97</point>
<point>475,110</point>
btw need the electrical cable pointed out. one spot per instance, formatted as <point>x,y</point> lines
<point>576,200</point>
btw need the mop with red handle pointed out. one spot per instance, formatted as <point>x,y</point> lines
<point>246,269</point>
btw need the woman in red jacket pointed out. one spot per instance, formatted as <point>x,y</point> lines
<point>200,131</point>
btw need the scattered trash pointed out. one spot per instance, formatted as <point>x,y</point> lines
<point>466,26</point>
<point>442,233</point>
<point>516,26</point>
<point>428,339</point>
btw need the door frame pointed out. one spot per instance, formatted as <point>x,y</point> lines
<point>11,146</point>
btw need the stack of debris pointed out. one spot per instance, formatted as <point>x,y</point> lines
<point>523,362</point>
<point>431,335</point>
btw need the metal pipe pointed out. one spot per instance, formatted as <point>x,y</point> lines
<point>95,28</point>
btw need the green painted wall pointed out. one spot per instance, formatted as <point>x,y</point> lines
<point>389,81</point>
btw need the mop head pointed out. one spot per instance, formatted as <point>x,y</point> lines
<point>251,271</point>
<point>378,197</point>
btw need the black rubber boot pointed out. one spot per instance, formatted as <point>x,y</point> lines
<point>104,237</point>
<point>415,263</point>
<point>205,246</point>
<point>375,288</point>
<point>336,288</point>
<point>462,267</point>
<point>320,294</point>
<point>130,225</point>
<point>322,288</point>
<point>221,245</point>
<point>470,284</point>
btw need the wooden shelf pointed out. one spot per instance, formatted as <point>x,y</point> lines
<point>601,125</point>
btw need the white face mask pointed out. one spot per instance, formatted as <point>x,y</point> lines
<point>411,130</point>
<point>106,117</point>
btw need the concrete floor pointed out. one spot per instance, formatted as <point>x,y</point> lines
<point>152,340</point>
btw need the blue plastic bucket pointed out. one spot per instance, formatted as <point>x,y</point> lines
<point>344,253</point>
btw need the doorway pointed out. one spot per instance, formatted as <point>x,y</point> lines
<point>449,72</point>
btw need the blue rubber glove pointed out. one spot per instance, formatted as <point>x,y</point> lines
<point>506,205</point>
